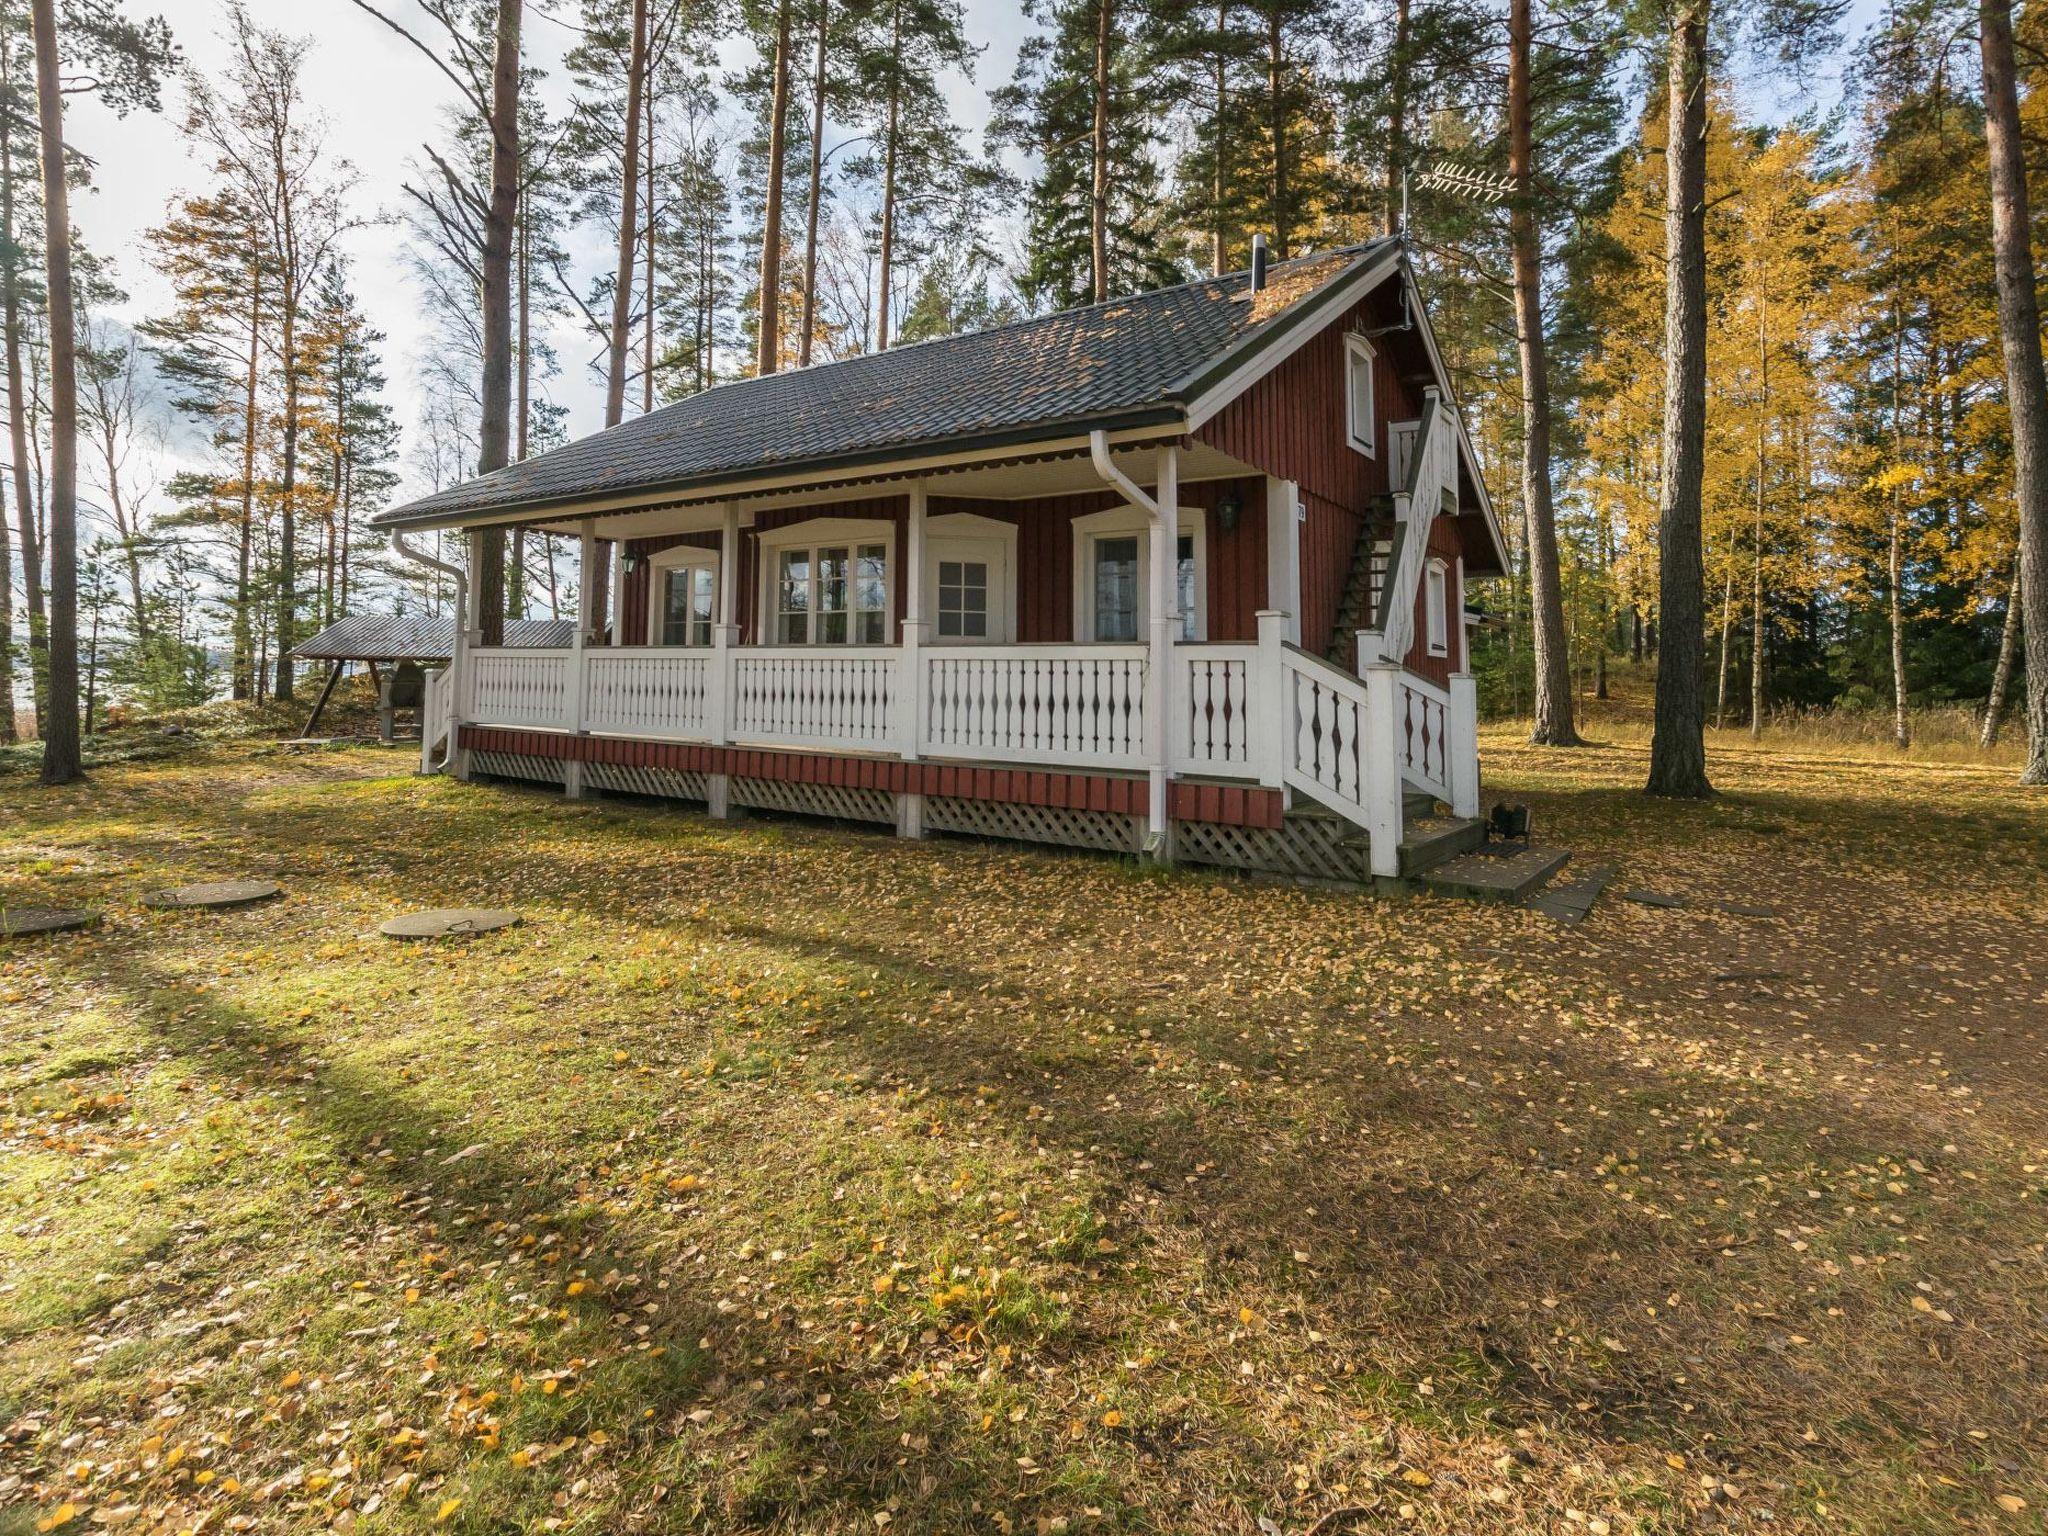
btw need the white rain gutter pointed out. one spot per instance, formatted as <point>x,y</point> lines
<point>1159,649</point>
<point>458,647</point>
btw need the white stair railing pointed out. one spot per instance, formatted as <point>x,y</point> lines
<point>437,720</point>
<point>1432,470</point>
<point>1337,740</point>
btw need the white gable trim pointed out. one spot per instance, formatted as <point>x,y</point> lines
<point>1323,313</point>
<point>1320,315</point>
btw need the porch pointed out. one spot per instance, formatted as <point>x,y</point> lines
<point>741,654</point>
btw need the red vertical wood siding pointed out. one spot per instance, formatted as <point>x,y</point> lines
<point>1292,424</point>
<point>1045,554</point>
<point>1444,544</point>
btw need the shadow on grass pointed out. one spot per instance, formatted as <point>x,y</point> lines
<point>1456,1218</point>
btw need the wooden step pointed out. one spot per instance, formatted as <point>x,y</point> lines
<point>1487,874</point>
<point>1429,842</point>
<point>1417,803</point>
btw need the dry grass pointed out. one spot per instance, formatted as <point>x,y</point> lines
<point>777,1177</point>
<point>1941,733</point>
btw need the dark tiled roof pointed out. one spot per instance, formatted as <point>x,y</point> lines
<point>381,637</point>
<point>1101,365</point>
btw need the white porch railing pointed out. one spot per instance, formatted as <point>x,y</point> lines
<point>514,686</point>
<point>819,698</point>
<point>1082,705</point>
<point>1422,731</point>
<point>659,692</point>
<point>1266,714</point>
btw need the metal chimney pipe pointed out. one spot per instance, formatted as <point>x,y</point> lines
<point>1258,263</point>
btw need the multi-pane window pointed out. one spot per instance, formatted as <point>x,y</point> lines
<point>688,593</point>
<point>963,599</point>
<point>833,594</point>
<point>1116,589</point>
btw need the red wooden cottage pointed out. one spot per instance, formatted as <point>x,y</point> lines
<point>1180,574</point>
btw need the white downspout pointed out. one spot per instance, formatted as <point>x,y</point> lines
<point>1160,660</point>
<point>458,650</point>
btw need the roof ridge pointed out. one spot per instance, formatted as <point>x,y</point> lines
<point>1140,295</point>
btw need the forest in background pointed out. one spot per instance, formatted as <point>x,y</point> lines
<point>1745,410</point>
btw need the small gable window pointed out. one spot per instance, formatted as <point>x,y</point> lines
<point>1358,396</point>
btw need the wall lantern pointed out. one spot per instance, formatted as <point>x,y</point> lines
<point>1228,506</point>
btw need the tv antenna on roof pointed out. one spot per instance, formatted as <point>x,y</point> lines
<point>1463,181</point>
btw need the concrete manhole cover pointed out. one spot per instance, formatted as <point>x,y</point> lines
<point>446,923</point>
<point>19,922</point>
<point>215,893</point>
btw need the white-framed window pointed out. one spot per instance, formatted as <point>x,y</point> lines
<point>682,596</point>
<point>1113,570</point>
<point>1436,586</point>
<point>828,581</point>
<point>969,579</point>
<point>1359,404</point>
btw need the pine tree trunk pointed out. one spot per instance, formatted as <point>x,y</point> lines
<point>1553,723</point>
<point>647,292</point>
<point>1277,126</point>
<point>2019,321</point>
<point>1098,183</point>
<point>1756,566</point>
<point>816,197</point>
<point>17,434</point>
<point>888,253</point>
<point>7,726</point>
<point>61,763</point>
<point>629,225</point>
<point>1902,732</point>
<point>1397,121</point>
<point>1604,545</point>
<point>287,488</point>
<point>1219,178</point>
<point>1727,624</point>
<point>516,605</point>
<point>494,431</point>
<point>244,684</point>
<point>768,351</point>
<point>1678,752</point>
<point>1902,736</point>
<point>2001,677</point>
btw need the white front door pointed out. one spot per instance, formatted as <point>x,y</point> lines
<point>968,586</point>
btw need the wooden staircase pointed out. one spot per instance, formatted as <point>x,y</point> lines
<point>1372,559</point>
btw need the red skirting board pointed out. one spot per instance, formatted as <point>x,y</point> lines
<point>1233,805</point>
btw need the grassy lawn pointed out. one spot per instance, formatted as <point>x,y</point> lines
<point>776,1176</point>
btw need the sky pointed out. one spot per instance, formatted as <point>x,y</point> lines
<point>381,101</point>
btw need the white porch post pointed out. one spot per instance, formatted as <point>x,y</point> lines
<point>1165,603</point>
<point>586,566</point>
<point>724,634</point>
<point>1382,765</point>
<point>1283,553</point>
<point>916,628</point>
<point>1270,724</point>
<point>1463,746</point>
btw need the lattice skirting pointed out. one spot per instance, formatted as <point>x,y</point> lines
<point>517,765</point>
<point>1101,830</point>
<point>663,783</point>
<point>1319,847</point>
<point>834,800</point>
